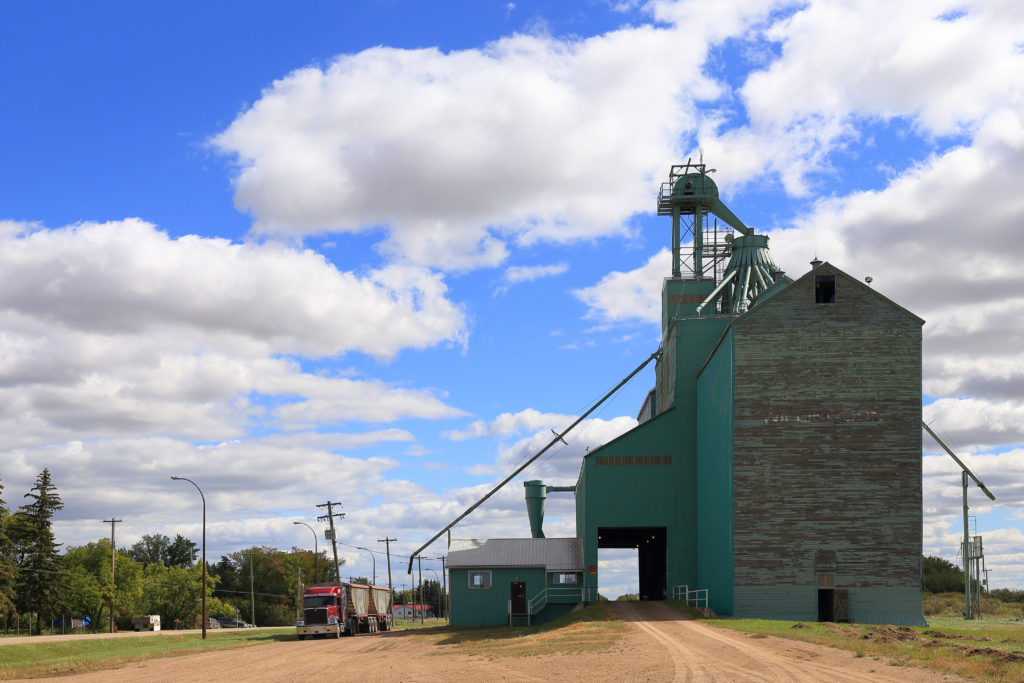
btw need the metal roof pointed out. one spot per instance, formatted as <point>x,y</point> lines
<point>554,554</point>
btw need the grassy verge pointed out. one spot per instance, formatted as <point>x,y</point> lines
<point>37,660</point>
<point>983,651</point>
<point>416,625</point>
<point>585,630</point>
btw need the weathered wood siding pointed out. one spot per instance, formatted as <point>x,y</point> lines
<point>827,451</point>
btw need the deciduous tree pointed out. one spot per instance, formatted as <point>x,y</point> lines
<point>175,593</point>
<point>941,576</point>
<point>150,549</point>
<point>90,589</point>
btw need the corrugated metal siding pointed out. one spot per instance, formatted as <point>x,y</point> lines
<point>827,444</point>
<point>637,495</point>
<point>490,607</point>
<point>666,368</point>
<point>649,495</point>
<point>552,612</point>
<point>555,554</point>
<point>714,478</point>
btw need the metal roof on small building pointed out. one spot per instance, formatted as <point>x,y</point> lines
<point>554,554</point>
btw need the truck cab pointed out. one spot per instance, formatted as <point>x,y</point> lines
<point>323,612</point>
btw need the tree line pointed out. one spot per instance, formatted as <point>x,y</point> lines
<point>942,576</point>
<point>43,588</point>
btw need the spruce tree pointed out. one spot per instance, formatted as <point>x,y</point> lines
<point>7,567</point>
<point>40,580</point>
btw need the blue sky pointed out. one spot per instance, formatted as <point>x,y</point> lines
<point>375,252</point>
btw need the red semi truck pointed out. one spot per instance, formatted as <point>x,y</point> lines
<point>332,610</point>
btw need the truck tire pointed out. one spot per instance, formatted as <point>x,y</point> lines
<point>302,636</point>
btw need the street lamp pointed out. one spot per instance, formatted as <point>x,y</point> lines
<point>374,562</point>
<point>316,553</point>
<point>204,546</point>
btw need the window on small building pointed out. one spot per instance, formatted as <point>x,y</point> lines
<point>479,579</point>
<point>564,579</point>
<point>824,289</point>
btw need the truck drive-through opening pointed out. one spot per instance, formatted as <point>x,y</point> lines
<point>651,544</point>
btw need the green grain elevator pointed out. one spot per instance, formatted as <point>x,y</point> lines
<point>777,461</point>
<point>775,469</point>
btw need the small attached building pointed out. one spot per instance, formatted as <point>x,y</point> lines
<point>514,580</point>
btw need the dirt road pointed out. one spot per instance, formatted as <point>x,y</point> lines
<point>660,646</point>
<point>701,653</point>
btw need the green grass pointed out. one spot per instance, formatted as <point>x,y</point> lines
<point>978,650</point>
<point>681,606</point>
<point>416,625</point>
<point>41,659</point>
<point>952,605</point>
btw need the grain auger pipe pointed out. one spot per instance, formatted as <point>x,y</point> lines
<point>558,437</point>
<point>969,609</point>
<point>960,462</point>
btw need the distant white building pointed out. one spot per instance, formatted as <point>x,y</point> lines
<point>413,611</point>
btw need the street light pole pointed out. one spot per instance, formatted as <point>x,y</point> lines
<point>372,557</point>
<point>316,553</point>
<point>204,546</point>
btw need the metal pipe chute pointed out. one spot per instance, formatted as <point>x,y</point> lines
<point>960,462</point>
<point>558,437</point>
<point>722,211</point>
<point>969,609</point>
<point>536,498</point>
<point>715,292</point>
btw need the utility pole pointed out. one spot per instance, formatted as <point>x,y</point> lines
<point>298,595</point>
<point>252,592</point>
<point>387,545</point>
<point>331,514</point>
<point>113,553</point>
<point>420,564</point>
